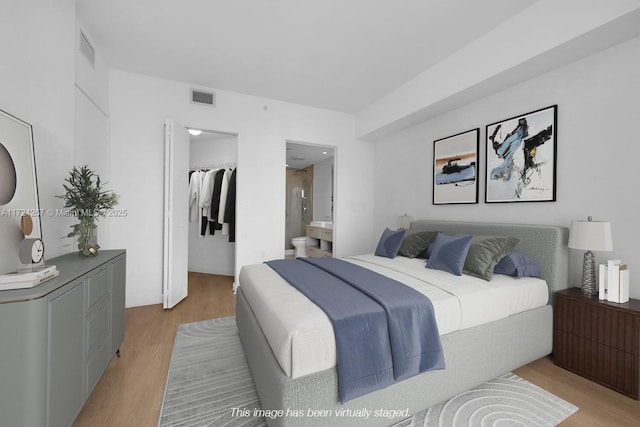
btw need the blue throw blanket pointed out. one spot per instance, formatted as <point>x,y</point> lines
<point>385,330</point>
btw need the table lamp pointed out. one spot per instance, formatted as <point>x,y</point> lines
<point>404,221</point>
<point>590,236</point>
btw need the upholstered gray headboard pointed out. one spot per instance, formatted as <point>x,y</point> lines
<point>546,244</point>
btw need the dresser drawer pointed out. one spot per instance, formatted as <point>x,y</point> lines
<point>314,251</point>
<point>98,360</point>
<point>326,235</point>
<point>97,324</point>
<point>314,232</point>
<point>596,322</point>
<point>98,286</point>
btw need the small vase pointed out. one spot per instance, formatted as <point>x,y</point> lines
<point>88,237</point>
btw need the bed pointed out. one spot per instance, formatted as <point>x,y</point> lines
<point>473,355</point>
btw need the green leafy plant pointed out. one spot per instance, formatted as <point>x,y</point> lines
<point>88,201</point>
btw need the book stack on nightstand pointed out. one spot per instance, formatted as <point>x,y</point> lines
<point>614,281</point>
<point>599,340</point>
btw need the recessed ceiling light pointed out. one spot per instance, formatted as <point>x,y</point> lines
<point>324,152</point>
<point>195,132</point>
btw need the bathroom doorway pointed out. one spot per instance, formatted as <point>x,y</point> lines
<point>299,212</point>
<point>310,192</point>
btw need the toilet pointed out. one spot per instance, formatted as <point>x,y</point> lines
<point>300,246</point>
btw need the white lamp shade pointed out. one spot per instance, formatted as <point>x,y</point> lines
<point>404,221</point>
<point>591,236</point>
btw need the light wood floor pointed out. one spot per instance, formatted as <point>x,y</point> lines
<point>131,390</point>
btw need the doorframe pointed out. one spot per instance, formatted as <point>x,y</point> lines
<point>230,135</point>
<point>166,266</point>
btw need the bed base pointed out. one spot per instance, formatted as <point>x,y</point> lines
<point>473,356</point>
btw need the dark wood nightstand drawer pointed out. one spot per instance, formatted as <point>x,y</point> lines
<point>598,340</point>
<point>612,328</point>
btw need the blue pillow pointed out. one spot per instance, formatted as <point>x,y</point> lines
<point>389,243</point>
<point>448,253</point>
<point>518,265</point>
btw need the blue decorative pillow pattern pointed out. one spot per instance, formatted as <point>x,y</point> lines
<point>517,264</point>
<point>389,243</point>
<point>448,253</point>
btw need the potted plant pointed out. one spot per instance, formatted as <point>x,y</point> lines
<point>88,201</point>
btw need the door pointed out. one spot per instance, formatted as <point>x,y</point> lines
<point>65,355</point>
<point>176,214</point>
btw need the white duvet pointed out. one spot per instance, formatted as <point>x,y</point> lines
<point>301,335</point>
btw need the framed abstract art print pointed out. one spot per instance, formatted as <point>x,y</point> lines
<point>455,168</point>
<point>521,158</point>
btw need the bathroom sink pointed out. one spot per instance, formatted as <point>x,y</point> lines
<point>325,224</point>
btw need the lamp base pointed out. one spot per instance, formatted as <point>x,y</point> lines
<point>589,286</point>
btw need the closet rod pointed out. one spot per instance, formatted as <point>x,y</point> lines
<point>217,132</point>
<point>215,166</point>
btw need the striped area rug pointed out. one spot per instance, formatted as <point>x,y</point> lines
<point>209,377</point>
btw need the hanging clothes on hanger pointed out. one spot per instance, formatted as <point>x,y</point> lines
<point>212,200</point>
<point>195,185</point>
<point>230,207</point>
<point>223,201</point>
<point>215,202</point>
<point>205,199</point>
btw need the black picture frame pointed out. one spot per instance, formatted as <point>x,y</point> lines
<point>455,168</point>
<point>521,158</point>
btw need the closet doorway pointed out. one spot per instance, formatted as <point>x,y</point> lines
<point>211,239</point>
<point>197,237</point>
<point>310,189</point>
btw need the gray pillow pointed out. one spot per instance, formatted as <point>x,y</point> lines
<point>416,242</point>
<point>485,252</point>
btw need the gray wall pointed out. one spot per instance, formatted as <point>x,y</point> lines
<point>598,102</point>
<point>138,107</point>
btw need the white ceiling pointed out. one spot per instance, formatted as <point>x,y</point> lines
<point>336,54</point>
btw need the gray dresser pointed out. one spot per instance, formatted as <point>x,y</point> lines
<point>57,339</point>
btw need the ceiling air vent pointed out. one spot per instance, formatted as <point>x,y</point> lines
<point>203,98</point>
<point>86,49</point>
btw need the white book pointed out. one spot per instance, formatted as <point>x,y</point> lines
<point>624,283</point>
<point>613,281</point>
<point>27,276</point>
<point>29,283</point>
<point>602,282</point>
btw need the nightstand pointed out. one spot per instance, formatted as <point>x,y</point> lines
<point>599,340</point>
